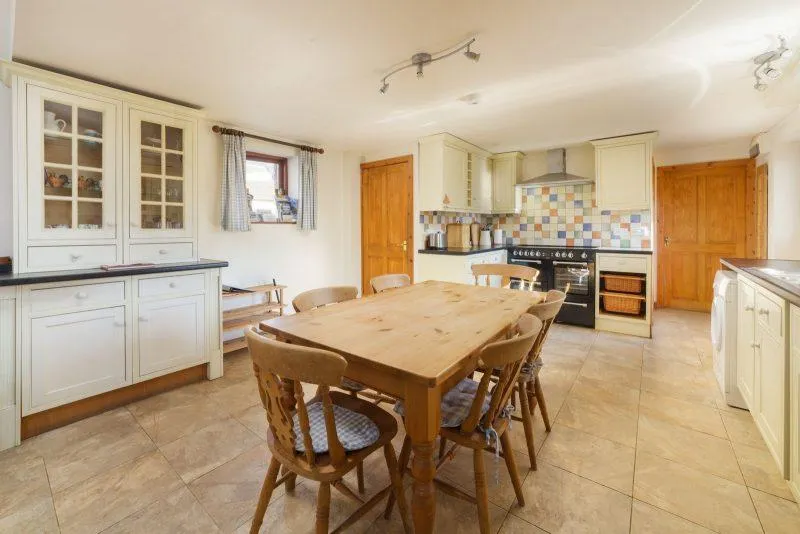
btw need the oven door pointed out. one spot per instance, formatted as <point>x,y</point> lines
<point>579,276</point>
<point>542,282</point>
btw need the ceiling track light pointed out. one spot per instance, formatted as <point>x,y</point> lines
<point>422,59</point>
<point>765,69</point>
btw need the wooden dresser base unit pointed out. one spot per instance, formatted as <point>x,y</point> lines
<point>38,423</point>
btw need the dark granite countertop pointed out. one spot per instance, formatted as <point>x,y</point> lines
<point>646,251</point>
<point>773,282</point>
<point>461,251</point>
<point>21,279</point>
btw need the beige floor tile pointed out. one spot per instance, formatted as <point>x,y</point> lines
<point>519,444</point>
<point>602,392</point>
<point>26,504</point>
<point>173,422</point>
<point>600,370</point>
<point>196,454</point>
<point>778,516</point>
<point>101,501</point>
<point>237,397</point>
<point>229,493</point>
<point>171,399</point>
<point>708,500</point>
<point>176,513</point>
<point>255,419</point>
<point>515,525</point>
<point>698,417</point>
<point>623,355</point>
<point>601,460</point>
<point>674,352</point>
<point>677,372</point>
<point>706,394</point>
<point>760,471</point>
<point>609,421</point>
<point>647,519</point>
<point>96,454</point>
<point>560,502</point>
<point>742,429</point>
<point>691,448</point>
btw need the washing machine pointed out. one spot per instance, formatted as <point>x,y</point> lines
<point>723,336</point>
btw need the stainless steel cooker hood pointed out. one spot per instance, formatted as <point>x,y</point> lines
<point>556,172</point>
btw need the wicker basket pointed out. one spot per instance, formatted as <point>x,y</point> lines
<point>624,283</point>
<point>622,304</point>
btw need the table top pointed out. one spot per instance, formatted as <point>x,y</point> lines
<point>423,331</point>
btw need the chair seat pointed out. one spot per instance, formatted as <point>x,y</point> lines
<point>355,431</point>
<point>456,404</point>
<point>530,370</point>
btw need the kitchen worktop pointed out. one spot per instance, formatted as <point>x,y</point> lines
<point>21,279</point>
<point>782,277</point>
<point>645,251</point>
<point>462,251</point>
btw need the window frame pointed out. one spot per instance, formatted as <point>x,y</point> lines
<point>283,175</point>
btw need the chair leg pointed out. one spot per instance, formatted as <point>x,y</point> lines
<point>481,491</point>
<point>397,485</point>
<point>511,464</point>
<point>405,454</point>
<point>527,425</point>
<point>290,482</point>
<point>360,476</point>
<point>542,405</point>
<point>323,507</point>
<point>266,494</point>
<point>442,447</point>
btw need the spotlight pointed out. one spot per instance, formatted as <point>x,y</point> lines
<point>474,56</point>
<point>384,87</point>
<point>760,86</point>
<point>419,71</point>
<point>773,73</point>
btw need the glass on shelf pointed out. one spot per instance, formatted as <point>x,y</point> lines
<point>174,138</point>
<point>58,214</point>
<point>151,134</point>
<point>151,216</point>
<point>57,150</point>
<point>90,153</point>
<point>90,184</point>
<point>57,182</point>
<point>151,162</point>
<point>174,190</point>
<point>174,217</point>
<point>151,189</point>
<point>57,117</point>
<point>174,164</point>
<point>90,122</point>
<point>90,215</point>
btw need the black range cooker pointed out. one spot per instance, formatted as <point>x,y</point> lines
<point>559,266</point>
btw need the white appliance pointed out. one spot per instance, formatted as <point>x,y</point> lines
<point>723,336</point>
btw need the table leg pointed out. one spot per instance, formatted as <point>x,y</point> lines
<point>422,426</point>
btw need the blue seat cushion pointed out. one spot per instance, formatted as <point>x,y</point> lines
<point>355,431</point>
<point>456,404</point>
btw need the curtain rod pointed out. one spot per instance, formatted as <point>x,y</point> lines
<point>221,130</point>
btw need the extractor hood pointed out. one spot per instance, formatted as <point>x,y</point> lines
<point>556,172</point>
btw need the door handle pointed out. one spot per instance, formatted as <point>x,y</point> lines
<point>748,307</point>
<point>763,311</point>
<point>404,244</point>
<point>755,345</point>
<point>666,241</point>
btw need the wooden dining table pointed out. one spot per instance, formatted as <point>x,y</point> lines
<point>414,343</point>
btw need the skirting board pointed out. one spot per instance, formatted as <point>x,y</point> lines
<point>622,326</point>
<point>9,436</point>
<point>38,423</point>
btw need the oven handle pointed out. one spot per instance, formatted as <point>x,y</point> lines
<point>526,261</point>
<point>580,304</point>
<point>571,263</point>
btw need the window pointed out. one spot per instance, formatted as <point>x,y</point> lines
<point>268,189</point>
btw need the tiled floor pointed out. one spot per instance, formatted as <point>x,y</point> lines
<point>641,442</point>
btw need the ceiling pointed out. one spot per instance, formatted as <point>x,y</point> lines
<point>552,72</point>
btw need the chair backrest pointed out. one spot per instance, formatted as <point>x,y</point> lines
<point>274,361</point>
<point>508,356</point>
<point>389,281</point>
<point>546,312</point>
<point>314,298</point>
<point>505,270</point>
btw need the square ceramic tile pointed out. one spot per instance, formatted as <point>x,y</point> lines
<point>742,429</point>
<point>515,525</point>
<point>698,417</point>
<point>760,471</point>
<point>26,504</point>
<point>778,516</point>
<point>623,375</point>
<point>647,519</point>
<point>178,512</point>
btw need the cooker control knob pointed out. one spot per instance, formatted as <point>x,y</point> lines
<point>570,255</point>
<point>538,253</point>
<point>526,252</point>
<point>584,256</point>
<point>558,254</point>
<point>515,253</point>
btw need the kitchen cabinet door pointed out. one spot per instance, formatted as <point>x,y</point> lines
<point>455,177</point>
<point>506,171</point>
<point>746,335</point>
<point>76,355</point>
<point>171,334</point>
<point>770,412</point>
<point>481,184</point>
<point>794,404</point>
<point>624,172</point>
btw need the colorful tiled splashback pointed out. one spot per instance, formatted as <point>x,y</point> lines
<point>560,215</point>
<point>437,221</point>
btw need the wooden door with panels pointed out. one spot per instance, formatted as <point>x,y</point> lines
<point>705,211</point>
<point>387,219</point>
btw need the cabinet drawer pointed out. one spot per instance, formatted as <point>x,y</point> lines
<point>76,297</point>
<point>171,285</point>
<point>71,257</point>
<point>622,263</point>
<point>769,310</point>
<point>162,252</point>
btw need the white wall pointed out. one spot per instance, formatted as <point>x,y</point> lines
<point>678,155</point>
<point>6,222</point>
<point>301,260</point>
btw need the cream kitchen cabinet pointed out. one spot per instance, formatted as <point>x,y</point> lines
<point>624,172</point>
<point>794,403</point>
<point>454,268</point>
<point>746,339</point>
<point>481,169</point>
<point>9,369</point>
<point>452,175</point>
<point>506,173</point>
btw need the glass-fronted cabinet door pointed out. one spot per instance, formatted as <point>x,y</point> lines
<point>161,175</point>
<point>73,166</point>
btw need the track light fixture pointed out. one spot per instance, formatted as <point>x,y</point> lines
<point>765,69</point>
<point>421,59</point>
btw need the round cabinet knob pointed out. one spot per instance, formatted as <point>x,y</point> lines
<point>74,257</point>
<point>748,307</point>
<point>163,251</point>
<point>755,345</point>
<point>173,284</point>
<point>763,311</point>
<point>81,295</point>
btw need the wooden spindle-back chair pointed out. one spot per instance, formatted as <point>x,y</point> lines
<point>506,271</point>
<point>389,281</point>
